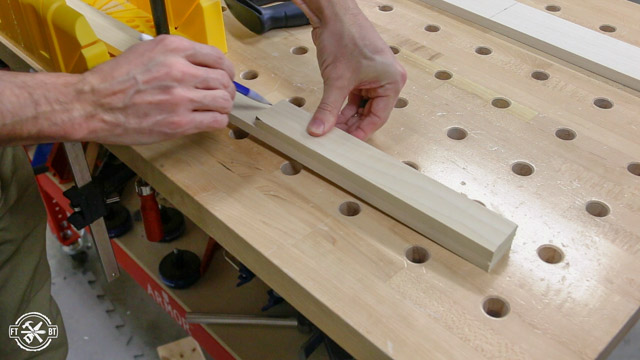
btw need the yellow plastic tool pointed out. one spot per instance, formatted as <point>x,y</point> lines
<point>56,36</point>
<point>60,39</point>
<point>198,20</point>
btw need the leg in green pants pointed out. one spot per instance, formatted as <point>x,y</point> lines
<point>25,277</point>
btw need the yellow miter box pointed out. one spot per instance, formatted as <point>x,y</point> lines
<point>54,35</point>
<point>198,20</point>
<point>60,39</point>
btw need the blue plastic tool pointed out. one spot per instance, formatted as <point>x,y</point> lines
<point>251,94</point>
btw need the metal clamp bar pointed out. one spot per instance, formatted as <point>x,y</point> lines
<point>82,175</point>
<point>204,318</point>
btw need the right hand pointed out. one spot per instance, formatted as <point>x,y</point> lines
<point>156,90</point>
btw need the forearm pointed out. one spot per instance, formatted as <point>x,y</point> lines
<point>321,12</point>
<point>40,107</point>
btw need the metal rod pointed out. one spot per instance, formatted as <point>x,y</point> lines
<point>205,318</point>
<point>81,174</point>
<point>160,20</point>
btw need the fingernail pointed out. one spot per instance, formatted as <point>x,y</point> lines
<point>316,126</point>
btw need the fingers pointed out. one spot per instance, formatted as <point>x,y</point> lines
<point>209,56</point>
<point>375,116</point>
<point>196,53</point>
<point>214,79</point>
<point>325,117</point>
<point>207,121</point>
<point>349,110</point>
<point>211,100</point>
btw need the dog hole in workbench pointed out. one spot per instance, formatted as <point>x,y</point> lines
<point>501,103</point>
<point>432,28</point>
<point>238,134</point>
<point>291,168</point>
<point>495,307</point>
<point>552,8</point>
<point>249,75</point>
<point>597,208</point>
<point>565,134</point>
<point>483,50</point>
<point>412,164</point>
<point>456,133</point>
<point>417,254</point>
<point>550,254</point>
<point>401,103</point>
<point>298,101</point>
<point>634,168</point>
<point>394,49</point>
<point>603,103</point>
<point>443,75</point>
<point>540,75</point>
<point>349,208</point>
<point>385,8</point>
<point>607,28</point>
<point>522,168</point>
<point>299,50</point>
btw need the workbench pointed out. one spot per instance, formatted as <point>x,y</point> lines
<point>550,146</point>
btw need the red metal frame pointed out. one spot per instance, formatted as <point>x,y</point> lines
<point>169,304</point>
<point>58,210</point>
<point>58,164</point>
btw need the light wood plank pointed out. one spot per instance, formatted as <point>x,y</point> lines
<point>586,48</point>
<point>452,220</point>
<point>183,349</point>
<point>112,32</point>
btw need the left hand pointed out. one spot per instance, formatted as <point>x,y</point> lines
<point>356,63</point>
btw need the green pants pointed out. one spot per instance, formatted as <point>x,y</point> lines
<point>25,277</point>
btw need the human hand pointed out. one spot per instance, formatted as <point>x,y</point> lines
<point>355,63</point>
<point>156,90</point>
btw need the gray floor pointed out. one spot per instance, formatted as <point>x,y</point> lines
<point>119,320</point>
<point>115,320</point>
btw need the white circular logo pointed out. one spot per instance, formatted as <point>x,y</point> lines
<point>33,331</point>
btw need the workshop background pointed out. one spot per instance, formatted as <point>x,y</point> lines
<point>121,319</point>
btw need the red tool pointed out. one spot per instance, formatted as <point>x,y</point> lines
<point>150,211</point>
<point>208,255</point>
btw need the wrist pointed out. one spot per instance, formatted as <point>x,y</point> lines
<point>324,13</point>
<point>64,104</point>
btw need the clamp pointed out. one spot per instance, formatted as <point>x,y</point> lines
<point>90,209</point>
<point>261,16</point>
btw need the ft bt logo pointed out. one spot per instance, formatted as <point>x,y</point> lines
<point>33,331</point>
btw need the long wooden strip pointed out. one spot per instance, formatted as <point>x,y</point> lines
<point>452,220</point>
<point>586,48</point>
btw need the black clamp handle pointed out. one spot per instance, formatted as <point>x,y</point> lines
<point>260,18</point>
<point>88,203</point>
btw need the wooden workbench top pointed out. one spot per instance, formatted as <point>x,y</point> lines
<point>349,274</point>
<point>570,287</point>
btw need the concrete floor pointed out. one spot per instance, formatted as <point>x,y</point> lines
<point>119,320</point>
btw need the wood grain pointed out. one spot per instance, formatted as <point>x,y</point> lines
<point>452,220</point>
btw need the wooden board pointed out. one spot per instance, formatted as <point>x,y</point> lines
<point>571,281</point>
<point>445,216</point>
<point>183,349</point>
<point>571,42</point>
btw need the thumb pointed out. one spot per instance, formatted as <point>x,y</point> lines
<point>326,115</point>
